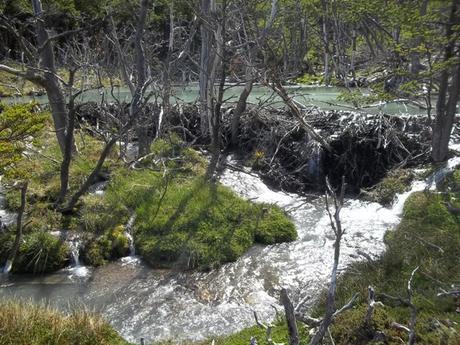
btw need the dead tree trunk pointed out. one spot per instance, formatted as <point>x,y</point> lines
<point>69,140</point>
<point>249,74</point>
<point>144,136</point>
<point>215,104</point>
<point>205,64</point>
<point>325,42</point>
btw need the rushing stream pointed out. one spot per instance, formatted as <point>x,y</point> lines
<point>158,305</point>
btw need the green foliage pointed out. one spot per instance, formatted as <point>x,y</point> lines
<point>279,335</point>
<point>18,124</point>
<point>40,252</point>
<point>310,79</point>
<point>24,323</point>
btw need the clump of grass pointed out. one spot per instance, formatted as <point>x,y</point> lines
<point>24,323</point>
<point>41,252</point>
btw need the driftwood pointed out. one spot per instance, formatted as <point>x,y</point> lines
<point>371,304</point>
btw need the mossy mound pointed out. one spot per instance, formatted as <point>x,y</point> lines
<point>384,192</point>
<point>25,323</point>
<point>111,245</point>
<point>194,223</point>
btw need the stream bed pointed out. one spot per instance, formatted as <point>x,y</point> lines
<point>160,304</point>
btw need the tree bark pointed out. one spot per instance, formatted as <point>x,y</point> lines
<point>448,94</point>
<point>51,83</point>
<point>19,227</point>
<point>206,45</point>
<point>144,120</point>
<point>241,105</point>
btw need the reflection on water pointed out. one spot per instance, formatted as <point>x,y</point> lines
<point>321,96</point>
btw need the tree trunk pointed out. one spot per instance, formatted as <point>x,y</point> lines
<point>327,77</point>
<point>17,240</point>
<point>51,84</point>
<point>241,106</point>
<point>290,318</point>
<point>144,122</point>
<point>206,45</point>
<point>448,94</point>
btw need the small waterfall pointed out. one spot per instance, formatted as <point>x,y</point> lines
<point>7,268</point>
<point>129,234</point>
<point>75,252</point>
<point>132,258</point>
<point>76,270</point>
<point>315,169</point>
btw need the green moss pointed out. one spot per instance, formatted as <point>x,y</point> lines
<point>189,222</point>
<point>112,245</point>
<point>40,252</point>
<point>25,323</point>
<point>396,182</point>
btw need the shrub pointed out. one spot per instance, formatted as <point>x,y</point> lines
<point>41,252</point>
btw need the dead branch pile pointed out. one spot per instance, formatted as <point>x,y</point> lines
<point>361,147</point>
